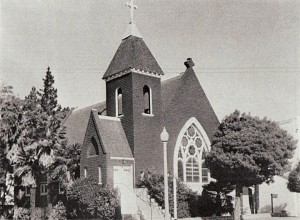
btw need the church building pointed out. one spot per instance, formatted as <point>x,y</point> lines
<point>125,129</point>
<point>120,137</point>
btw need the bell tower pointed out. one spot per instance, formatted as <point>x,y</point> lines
<point>133,93</point>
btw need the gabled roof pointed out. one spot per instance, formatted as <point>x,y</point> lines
<point>133,53</point>
<point>76,123</point>
<point>112,135</point>
<point>169,88</point>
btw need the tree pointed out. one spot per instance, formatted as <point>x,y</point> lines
<point>294,179</point>
<point>247,150</point>
<point>31,131</point>
<point>221,201</point>
<point>49,94</point>
<point>10,108</point>
<point>65,167</point>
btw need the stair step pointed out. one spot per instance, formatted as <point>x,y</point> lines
<point>147,206</point>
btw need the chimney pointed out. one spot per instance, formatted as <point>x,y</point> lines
<point>189,63</point>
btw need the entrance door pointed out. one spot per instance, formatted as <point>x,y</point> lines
<point>123,181</point>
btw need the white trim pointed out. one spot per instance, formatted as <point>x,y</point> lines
<point>117,101</point>
<point>85,172</point>
<point>43,191</point>
<point>205,138</point>
<point>92,156</point>
<point>117,75</point>
<point>60,190</point>
<point>109,118</point>
<point>149,115</point>
<point>146,72</point>
<point>150,97</point>
<point>26,191</point>
<point>150,100</point>
<point>121,158</point>
<point>99,175</point>
<point>130,70</point>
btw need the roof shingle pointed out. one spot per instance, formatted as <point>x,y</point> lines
<point>112,135</point>
<point>133,53</point>
<point>76,123</point>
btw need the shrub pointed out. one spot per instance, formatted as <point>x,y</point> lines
<point>58,212</point>
<point>185,197</point>
<point>37,214</point>
<point>294,179</point>
<point>21,214</point>
<point>215,199</point>
<point>87,199</point>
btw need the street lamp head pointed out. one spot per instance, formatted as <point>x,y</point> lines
<point>164,136</point>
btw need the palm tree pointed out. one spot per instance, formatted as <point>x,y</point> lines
<point>65,168</point>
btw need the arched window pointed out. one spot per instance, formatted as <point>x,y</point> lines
<point>205,174</point>
<point>189,154</point>
<point>180,170</point>
<point>147,100</point>
<point>93,148</point>
<point>119,102</point>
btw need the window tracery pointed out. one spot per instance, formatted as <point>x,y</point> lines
<point>191,147</point>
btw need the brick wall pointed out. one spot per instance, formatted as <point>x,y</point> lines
<point>92,163</point>
<point>189,101</point>
<point>147,128</point>
<point>142,131</point>
<point>125,83</point>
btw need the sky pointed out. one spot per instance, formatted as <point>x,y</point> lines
<point>247,53</point>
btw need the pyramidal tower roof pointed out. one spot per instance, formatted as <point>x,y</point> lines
<point>132,30</point>
<point>133,55</point>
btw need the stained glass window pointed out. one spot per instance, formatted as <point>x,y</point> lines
<point>189,159</point>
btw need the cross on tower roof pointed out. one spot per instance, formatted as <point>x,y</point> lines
<point>132,6</point>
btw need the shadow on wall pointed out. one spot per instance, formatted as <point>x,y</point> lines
<point>277,209</point>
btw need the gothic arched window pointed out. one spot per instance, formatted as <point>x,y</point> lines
<point>119,102</point>
<point>191,145</point>
<point>147,100</point>
<point>93,148</point>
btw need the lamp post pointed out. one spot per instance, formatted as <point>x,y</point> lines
<point>164,137</point>
<point>175,196</point>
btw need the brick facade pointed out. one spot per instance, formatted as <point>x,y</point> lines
<point>142,130</point>
<point>104,160</point>
<point>92,163</point>
<point>189,101</point>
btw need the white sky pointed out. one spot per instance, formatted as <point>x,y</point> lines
<point>247,53</point>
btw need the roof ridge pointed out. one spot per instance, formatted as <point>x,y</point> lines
<point>178,75</point>
<point>89,106</point>
<point>177,80</point>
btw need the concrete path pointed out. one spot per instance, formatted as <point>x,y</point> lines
<point>276,218</point>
